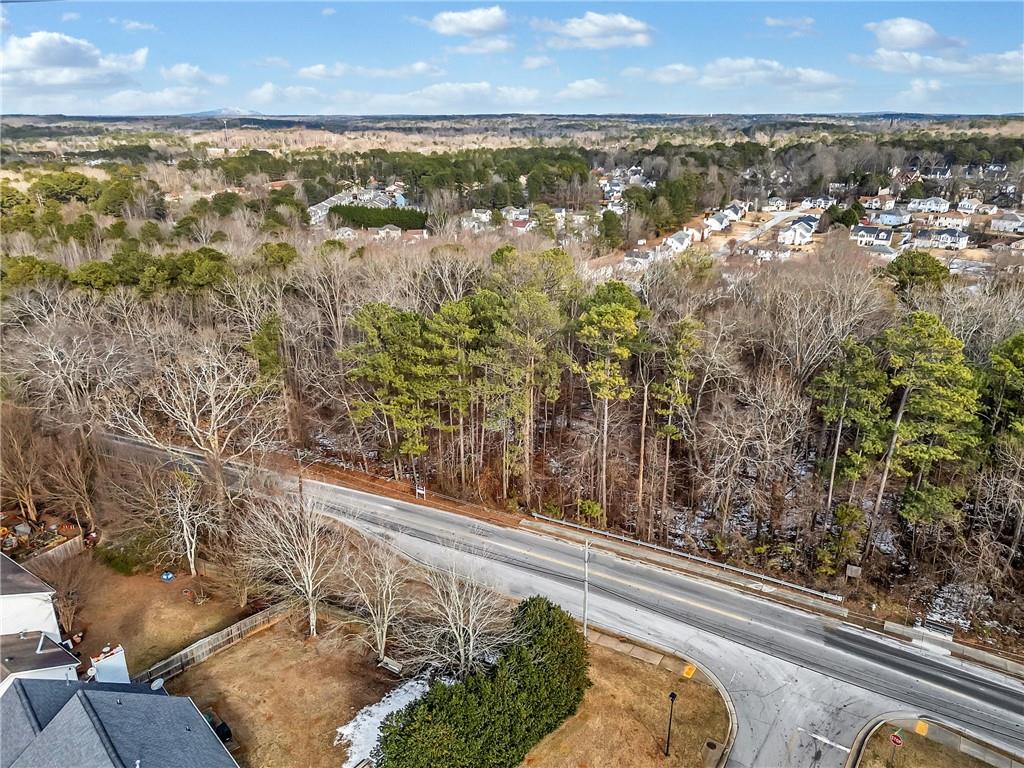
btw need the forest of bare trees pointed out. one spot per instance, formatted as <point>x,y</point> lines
<point>797,418</point>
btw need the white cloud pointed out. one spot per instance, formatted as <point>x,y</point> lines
<point>341,69</point>
<point>54,60</point>
<point>597,31</point>
<point>921,92</point>
<point>131,25</point>
<point>328,12</point>
<point>270,93</point>
<point>163,101</point>
<point>1007,66</point>
<point>538,62</point>
<point>70,16</point>
<point>903,34</point>
<point>275,61</point>
<point>589,88</point>
<point>473,23</point>
<point>798,26</point>
<point>499,44</point>
<point>670,74</point>
<point>190,74</point>
<point>734,72</point>
<point>516,95</point>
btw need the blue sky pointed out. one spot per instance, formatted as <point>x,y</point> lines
<point>427,58</point>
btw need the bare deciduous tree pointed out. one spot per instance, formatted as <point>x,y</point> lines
<point>461,624</point>
<point>71,578</point>
<point>378,583</point>
<point>293,549</point>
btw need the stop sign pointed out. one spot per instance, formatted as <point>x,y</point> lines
<point>896,739</point>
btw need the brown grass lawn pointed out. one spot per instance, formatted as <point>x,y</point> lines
<point>284,695</point>
<point>916,752</point>
<point>624,716</point>
<point>150,618</point>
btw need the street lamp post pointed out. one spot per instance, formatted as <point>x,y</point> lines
<point>586,588</point>
<point>671,707</point>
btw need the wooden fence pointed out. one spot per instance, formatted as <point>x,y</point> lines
<point>205,648</point>
<point>58,553</point>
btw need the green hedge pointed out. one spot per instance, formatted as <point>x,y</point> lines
<point>493,718</point>
<point>361,216</point>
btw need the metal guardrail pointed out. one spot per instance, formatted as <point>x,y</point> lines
<point>694,558</point>
<point>209,645</point>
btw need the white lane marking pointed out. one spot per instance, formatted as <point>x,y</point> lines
<point>823,740</point>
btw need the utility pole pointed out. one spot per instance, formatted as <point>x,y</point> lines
<point>586,587</point>
<point>671,706</point>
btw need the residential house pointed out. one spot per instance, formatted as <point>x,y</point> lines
<point>762,253</point>
<point>413,235</point>
<point>969,205</point>
<point>718,222</point>
<point>821,201</point>
<point>951,220</point>
<point>522,226</point>
<point>29,633</point>
<point>947,239</point>
<point>988,209</point>
<point>867,236</point>
<point>798,232</point>
<point>937,173</point>
<point>678,242</point>
<point>385,233</point>
<point>878,202</point>
<point>883,251</point>
<point>46,723</point>
<point>928,205</point>
<point>1010,221</point>
<point>344,233</point>
<point>774,205</point>
<point>897,217</point>
<point>513,214</point>
<point>318,213</point>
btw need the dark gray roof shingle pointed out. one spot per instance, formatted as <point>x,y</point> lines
<point>15,580</point>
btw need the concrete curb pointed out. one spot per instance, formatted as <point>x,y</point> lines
<point>952,737</point>
<point>708,676</point>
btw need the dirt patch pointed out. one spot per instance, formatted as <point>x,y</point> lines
<point>624,718</point>
<point>152,619</point>
<point>285,695</point>
<point>916,752</point>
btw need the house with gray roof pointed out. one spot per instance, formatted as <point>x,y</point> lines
<point>47,723</point>
<point>29,633</point>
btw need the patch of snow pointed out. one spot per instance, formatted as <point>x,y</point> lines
<point>885,541</point>
<point>362,732</point>
<point>954,604</point>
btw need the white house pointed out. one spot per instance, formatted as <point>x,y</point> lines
<point>897,217</point>
<point>928,205</point>
<point>951,220</point>
<point>774,204</point>
<point>344,233</point>
<point>678,242</point>
<point>387,232</point>
<point>948,239</point>
<point>513,214</point>
<point>1011,221</point>
<point>879,203</point>
<point>821,201</point>
<point>866,236</point>
<point>29,633</point>
<point>799,232</point>
<point>988,209</point>
<point>969,205</point>
<point>718,222</point>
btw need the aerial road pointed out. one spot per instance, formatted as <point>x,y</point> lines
<point>803,686</point>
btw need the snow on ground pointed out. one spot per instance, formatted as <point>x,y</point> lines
<point>954,604</point>
<point>362,731</point>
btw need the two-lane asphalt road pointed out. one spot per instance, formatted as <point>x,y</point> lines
<point>803,686</point>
